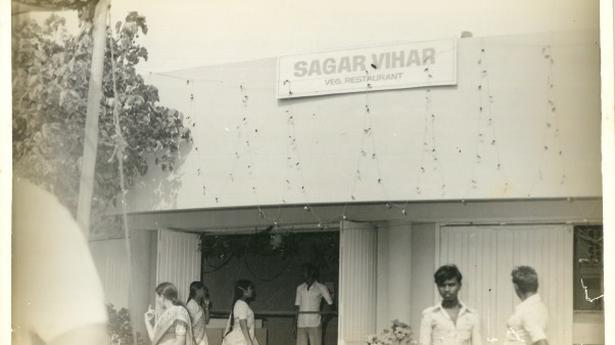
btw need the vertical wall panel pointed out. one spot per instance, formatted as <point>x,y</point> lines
<point>111,260</point>
<point>358,260</point>
<point>382,280</point>
<point>394,274</point>
<point>550,252</point>
<point>424,239</point>
<point>486,256</point>
<point>179,260</point>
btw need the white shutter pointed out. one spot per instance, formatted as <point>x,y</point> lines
<point>179,260</point>
<point>358,260</point>
<point>486,256</point>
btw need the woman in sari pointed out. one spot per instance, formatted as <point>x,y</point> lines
<point>172,325</point>
<point>240,326</point>
<point>198,306</point>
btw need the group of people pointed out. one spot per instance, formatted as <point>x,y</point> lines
<point>453,323</point>
<point>176,323</point>
<point>450,322</point>
<point>35,319</point>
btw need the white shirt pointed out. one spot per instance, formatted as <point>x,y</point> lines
<point>528,324</point>
<point>56,288</point>
<point>437,327</point>
<point>242,311</point>
<point>309,300</point>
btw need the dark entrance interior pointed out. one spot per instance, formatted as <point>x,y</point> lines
<point>272,260</point>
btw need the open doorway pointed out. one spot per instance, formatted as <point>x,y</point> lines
<point>273,261</point>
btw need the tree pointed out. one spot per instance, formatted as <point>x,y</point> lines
<point>50,84</point>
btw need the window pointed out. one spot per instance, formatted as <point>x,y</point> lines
<point>588,268</point>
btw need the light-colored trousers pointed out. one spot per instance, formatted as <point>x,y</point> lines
<point>313,334</point>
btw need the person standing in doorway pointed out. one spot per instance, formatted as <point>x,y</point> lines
<point>450,322</point>
<point>240,326</point>
<point>308,300</point>
<point>528,324</point>
<point>198,306</point>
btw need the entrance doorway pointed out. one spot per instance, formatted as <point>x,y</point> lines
<point>272,260</point>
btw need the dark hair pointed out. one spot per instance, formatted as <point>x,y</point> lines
<point>168,291</point>
<point>240,286</point>
<point>526,278</point>
<point>194,287</point>
<point>311,270</point>
<point>445,273</point>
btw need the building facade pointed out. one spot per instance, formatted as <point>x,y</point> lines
<point>500,167</point>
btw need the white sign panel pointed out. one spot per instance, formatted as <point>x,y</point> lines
<point>398,66</point>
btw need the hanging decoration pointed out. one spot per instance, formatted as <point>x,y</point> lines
<point>552,144</point>
<point>220,250</point>
<point>486,135</point>
<point>486,154</point>
<point>191,106</point>
<point>367,149</point>
<point>553,114</point>
<point>238,142</point>
<point>429,161</point>
<point>368,152</point>
<point>242,145</point>
<point>287,83</point>
<point>487,103</point>
<point>294,163</point>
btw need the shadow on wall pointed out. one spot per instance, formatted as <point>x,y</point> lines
<point>163,181</point>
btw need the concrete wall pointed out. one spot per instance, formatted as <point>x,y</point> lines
<point>111,260</point>
<point>246,162</point>
<point>588,328</point>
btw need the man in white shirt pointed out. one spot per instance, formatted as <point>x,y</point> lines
<point>309,297</point>
<point>57,295</point>
<point>450,322</point>
<point>528,324</point>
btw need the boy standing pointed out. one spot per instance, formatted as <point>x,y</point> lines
<point>450,322</point>
<point>528,324</point>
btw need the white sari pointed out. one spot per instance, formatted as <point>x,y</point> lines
<point>197,315</point>
<point>173,322</point>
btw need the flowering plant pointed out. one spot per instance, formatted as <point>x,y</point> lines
<point>120,329</point>
<point>399,333</point>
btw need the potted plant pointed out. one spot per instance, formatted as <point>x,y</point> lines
<point>399,333</point>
